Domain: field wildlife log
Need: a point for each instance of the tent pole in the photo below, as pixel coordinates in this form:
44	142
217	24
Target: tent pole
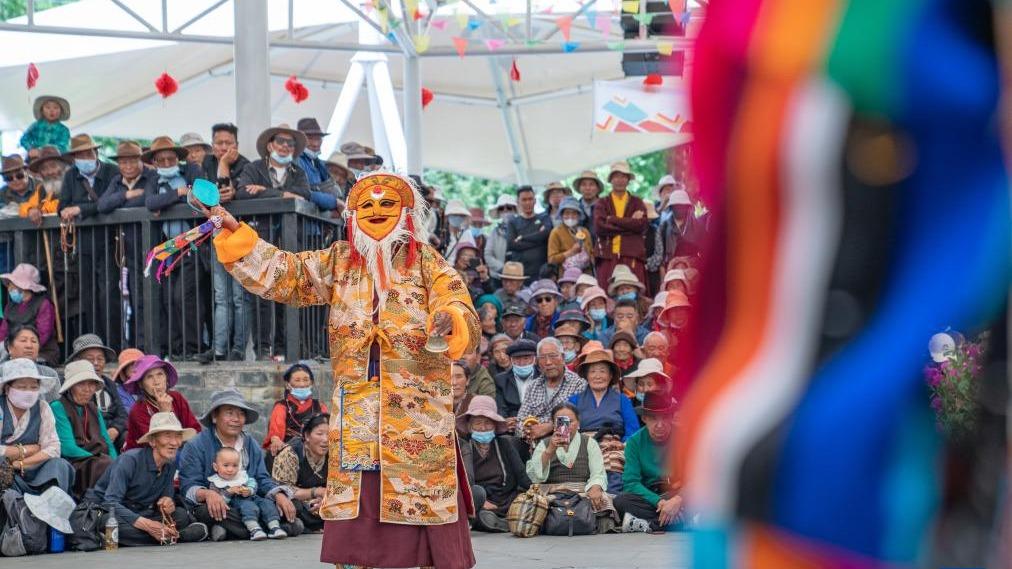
412	96
389	115
252	73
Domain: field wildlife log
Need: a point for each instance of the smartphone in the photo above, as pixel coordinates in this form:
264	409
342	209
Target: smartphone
563	427
473	263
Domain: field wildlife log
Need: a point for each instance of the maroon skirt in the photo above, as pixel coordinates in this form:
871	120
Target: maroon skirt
367	542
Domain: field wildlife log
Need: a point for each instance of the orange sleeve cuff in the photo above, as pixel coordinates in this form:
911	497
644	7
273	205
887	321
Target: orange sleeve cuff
234	245
459	337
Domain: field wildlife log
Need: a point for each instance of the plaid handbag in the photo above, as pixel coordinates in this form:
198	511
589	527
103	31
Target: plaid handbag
527	513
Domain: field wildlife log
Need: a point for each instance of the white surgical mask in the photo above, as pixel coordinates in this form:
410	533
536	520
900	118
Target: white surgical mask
570	222
23	399
170	172
283	160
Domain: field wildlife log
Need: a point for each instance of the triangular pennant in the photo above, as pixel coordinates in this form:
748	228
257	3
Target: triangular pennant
665	47
32	76
511	21
384	20
422	43
418	15
412	5
604	24
462	20
494	44
677	7
686	16
565	23
514	71
395	23
616	45
392	37
631	6
473	24
570	46
460	44
644	19
438	24
532	42
591	18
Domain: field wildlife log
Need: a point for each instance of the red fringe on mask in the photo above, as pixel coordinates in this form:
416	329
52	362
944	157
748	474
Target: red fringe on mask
412	244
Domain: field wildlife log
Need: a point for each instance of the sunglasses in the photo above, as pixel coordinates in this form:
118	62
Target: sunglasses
16	176
544	299
289	142
507	209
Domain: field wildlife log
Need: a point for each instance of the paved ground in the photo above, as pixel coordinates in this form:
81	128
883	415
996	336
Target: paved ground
630	551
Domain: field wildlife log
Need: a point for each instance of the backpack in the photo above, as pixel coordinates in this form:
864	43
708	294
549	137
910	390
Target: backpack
88	522
23	533
527	513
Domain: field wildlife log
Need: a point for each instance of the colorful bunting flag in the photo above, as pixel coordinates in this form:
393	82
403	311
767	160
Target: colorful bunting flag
422	43
418	15
473	24
427	97
591	18
570	46
438	24
665	47
653	80
395	23
460	44
462	20
616	45
604	24
644	19
631	6
494	44
392	37
677	7
686	16
565	24
412	5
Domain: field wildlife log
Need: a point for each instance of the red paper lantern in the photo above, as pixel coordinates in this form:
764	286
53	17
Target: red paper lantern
32	77
653	80
166	85
296	89
427	97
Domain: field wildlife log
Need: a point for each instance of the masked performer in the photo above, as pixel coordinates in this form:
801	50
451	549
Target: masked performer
396	492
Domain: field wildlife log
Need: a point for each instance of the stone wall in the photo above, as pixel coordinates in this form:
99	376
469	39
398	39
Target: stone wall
260	383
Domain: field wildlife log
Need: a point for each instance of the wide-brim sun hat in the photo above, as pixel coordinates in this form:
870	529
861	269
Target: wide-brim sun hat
87	342
620	167
456	207
675	299
229	397
590	347
596	292
679	197
268	134
24	368
660	300
657	404
43	99
588	175
600	357
124	359
666	180
544	287
79	371
570	203
46	154
623	336
675	275
193	139
25	276
481	406
144	365
166	422
645	367
161	144
512	270
585	279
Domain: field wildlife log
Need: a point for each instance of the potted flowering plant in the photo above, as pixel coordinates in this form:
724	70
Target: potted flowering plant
952	377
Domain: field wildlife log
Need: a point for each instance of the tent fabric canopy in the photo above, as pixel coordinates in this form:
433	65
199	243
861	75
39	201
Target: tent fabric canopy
111	89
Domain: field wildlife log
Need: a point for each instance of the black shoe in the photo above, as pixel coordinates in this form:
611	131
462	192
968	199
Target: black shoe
237	356
204	358
492	523
193	533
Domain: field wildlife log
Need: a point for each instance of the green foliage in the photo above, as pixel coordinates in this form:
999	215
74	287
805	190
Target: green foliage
15	8
482	192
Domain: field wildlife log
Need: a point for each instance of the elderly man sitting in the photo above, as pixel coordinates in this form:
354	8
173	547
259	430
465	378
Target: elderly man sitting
554	386
225	421
138	489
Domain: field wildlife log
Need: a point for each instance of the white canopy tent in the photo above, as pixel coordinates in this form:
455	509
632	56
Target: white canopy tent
480	122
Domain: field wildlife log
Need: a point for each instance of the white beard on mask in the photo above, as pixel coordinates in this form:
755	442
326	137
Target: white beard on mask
53	187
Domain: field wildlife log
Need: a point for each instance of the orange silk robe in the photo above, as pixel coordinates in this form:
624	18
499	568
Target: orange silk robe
407	421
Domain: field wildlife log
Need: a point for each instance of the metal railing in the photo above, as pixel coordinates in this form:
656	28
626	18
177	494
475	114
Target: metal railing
93	272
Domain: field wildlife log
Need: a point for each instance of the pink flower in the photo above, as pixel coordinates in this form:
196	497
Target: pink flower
973	350
946	367
936	403
933	376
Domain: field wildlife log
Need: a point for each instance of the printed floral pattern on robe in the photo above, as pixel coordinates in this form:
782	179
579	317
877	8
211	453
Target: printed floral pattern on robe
416	425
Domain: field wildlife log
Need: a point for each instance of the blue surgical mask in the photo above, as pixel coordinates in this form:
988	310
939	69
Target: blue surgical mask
311	153
170	172
523	372
86	167
456	221
626	296
301	393
640	396
570	355
283	160
598	314
16	296
483	437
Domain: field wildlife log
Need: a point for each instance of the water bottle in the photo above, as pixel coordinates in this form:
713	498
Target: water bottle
111	536
56	541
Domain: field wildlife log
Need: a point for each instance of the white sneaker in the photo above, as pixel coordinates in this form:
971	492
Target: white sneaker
257	535
632	524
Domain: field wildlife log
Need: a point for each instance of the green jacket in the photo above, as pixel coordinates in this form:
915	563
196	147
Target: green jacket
64	430
481	383
645	466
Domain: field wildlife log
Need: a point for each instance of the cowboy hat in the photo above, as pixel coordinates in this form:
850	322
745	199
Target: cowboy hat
309	125
24	276
646	367
166	422
339	160
146	364
456	207
79	143
623	276
24	368
512	270
481	406
270	133
620	167
161	143
46	153
86	342
79	371
229	396
127	149
355	151
43	99
656	404
12	163
588	175
125	358
600	357
552	187
193	139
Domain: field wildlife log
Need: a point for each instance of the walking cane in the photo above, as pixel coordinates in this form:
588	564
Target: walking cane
52	286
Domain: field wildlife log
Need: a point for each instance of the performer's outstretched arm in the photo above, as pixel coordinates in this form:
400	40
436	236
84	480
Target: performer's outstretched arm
449	294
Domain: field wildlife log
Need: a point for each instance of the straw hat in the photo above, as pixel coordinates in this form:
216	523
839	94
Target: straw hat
79	143
193	139
24	276
268	134
554	187
161	143
125	358
512	270
79	371
43	99
339	160
600	357
166	423
481	406
620	167
46	153
588	175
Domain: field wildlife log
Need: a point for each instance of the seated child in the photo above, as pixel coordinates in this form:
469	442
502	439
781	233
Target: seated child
240	491
48	127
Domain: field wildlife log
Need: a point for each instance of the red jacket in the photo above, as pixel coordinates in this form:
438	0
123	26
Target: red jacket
140	418
633	231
